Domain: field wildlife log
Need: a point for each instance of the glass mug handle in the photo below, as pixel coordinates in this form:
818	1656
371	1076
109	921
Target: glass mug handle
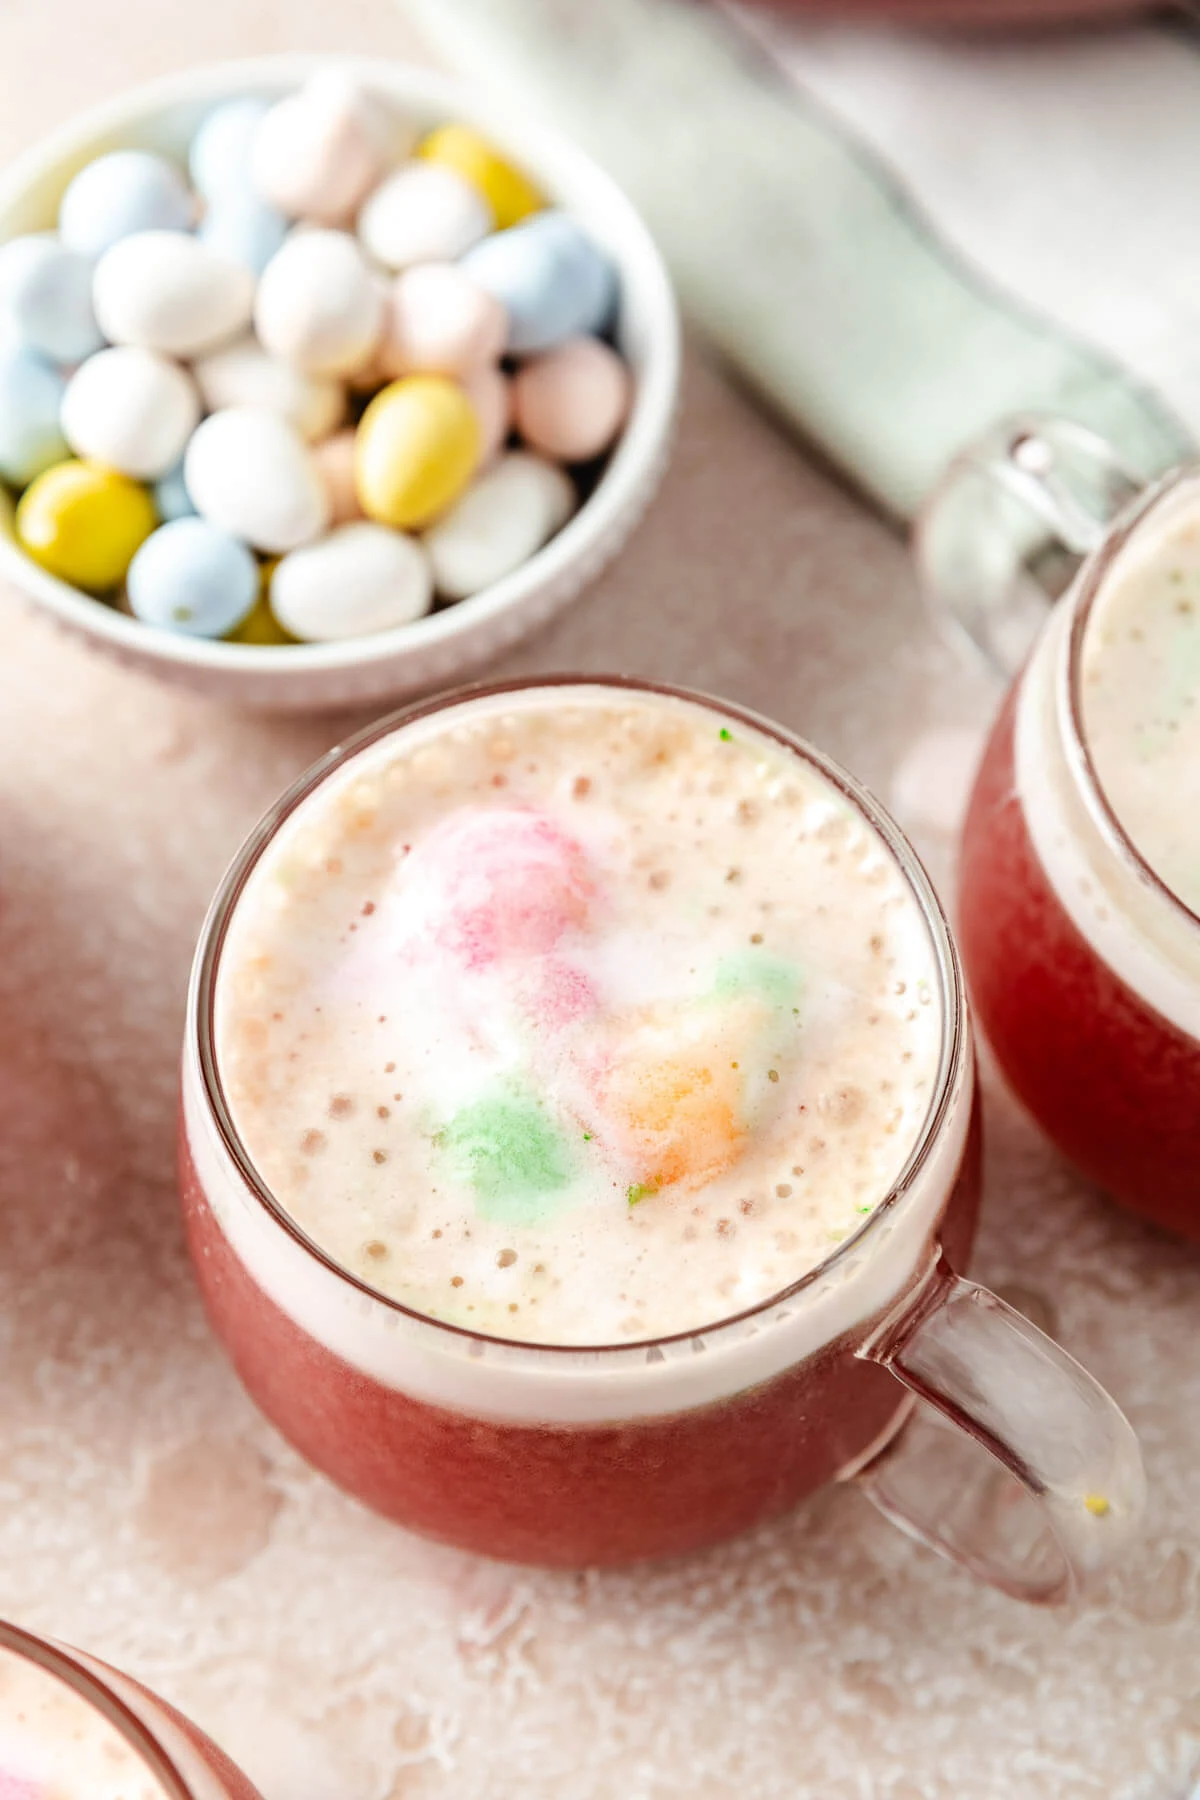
1003	531
1059	1495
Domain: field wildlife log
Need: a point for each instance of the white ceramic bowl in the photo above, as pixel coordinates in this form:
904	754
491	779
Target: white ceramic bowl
449	644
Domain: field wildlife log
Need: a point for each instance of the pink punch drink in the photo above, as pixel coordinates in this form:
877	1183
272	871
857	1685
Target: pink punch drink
1081	868
577	1104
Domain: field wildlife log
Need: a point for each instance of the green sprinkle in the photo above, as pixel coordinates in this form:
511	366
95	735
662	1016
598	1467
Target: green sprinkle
509	1151
587	1137
640	1190
726	737
864	1209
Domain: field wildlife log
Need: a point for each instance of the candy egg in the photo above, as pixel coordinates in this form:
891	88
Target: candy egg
510	194
423	212
417	446
171	498
335	459
319	304
191	576
31	394
440	322
132	410
260	626
220	152
243	374
319	152
118	194
84	523
169	292
251	472
46	296
550	278
243	227
571	402
507	514
490	393
360	579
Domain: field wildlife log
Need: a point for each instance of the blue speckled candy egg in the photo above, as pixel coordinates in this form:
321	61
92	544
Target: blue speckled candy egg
193	577
46	297
244	228
220	152
171	497
548	275
118	194
30	397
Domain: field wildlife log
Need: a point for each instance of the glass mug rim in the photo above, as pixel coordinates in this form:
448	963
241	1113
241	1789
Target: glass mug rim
954	1033
64	1665
1081	599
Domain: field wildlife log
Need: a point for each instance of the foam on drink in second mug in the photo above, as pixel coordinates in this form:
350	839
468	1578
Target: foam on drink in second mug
578	1019
1141	699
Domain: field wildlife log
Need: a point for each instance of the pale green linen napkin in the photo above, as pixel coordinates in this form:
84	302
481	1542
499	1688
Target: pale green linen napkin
792	245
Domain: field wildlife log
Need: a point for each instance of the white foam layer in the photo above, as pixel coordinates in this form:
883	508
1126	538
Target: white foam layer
56	1744
576	1017
1134	928
561	1382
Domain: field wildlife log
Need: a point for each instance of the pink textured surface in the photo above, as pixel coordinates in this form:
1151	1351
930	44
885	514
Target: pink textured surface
148	1514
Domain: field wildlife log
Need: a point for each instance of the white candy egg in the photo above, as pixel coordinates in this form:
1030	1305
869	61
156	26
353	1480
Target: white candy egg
250	471
361	579
243	374
166	291
425	212
440	322
505	515
131	410
319	305
319	152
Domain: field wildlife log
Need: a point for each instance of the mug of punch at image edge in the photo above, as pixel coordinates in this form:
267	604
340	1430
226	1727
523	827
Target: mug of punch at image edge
1080	883
579	1138
73	1729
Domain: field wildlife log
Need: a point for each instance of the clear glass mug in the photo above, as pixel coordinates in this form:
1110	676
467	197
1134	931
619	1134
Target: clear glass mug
168	1756
569	1456
1083	966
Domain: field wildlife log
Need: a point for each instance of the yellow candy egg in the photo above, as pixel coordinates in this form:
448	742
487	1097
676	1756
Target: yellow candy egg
415	450
260	626
83	523
509	193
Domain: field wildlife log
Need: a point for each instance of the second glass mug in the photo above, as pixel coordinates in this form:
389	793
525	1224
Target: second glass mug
1082	964
143	1741
577	1456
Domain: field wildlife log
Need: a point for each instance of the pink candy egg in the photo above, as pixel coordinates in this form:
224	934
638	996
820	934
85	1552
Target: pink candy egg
490	393
440	322
319	152
335	461
571	402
